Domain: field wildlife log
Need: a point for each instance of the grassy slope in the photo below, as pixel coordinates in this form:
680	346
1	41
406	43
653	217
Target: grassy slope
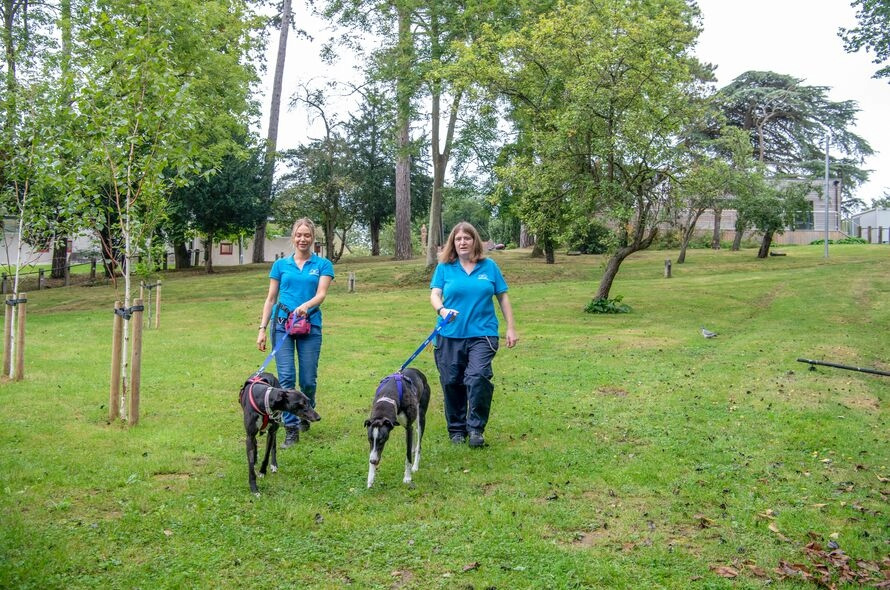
624	451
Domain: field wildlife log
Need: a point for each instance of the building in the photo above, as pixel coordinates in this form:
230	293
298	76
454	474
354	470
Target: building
873	226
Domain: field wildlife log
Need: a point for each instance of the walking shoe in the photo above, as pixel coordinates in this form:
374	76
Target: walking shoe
292	437
458	438
304	426
476	438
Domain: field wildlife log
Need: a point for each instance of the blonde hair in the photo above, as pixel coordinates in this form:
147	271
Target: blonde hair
449	252
301	222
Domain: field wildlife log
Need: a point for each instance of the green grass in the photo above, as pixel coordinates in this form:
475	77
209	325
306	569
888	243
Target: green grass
625	451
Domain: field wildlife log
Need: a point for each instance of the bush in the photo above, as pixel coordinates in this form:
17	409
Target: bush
849	240
603	305
588	237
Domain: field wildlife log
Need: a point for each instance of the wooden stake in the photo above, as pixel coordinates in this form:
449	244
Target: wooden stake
135	365
158	306
7	340
117	338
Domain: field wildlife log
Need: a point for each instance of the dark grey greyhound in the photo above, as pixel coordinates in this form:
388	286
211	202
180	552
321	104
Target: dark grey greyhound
263	400
401	398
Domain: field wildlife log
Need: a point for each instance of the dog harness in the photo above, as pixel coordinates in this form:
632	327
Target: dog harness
269	413
398	378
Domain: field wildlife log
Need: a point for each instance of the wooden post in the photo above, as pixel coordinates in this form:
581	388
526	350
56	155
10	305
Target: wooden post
20	338
158	306
135	364
880	234
869	234
40	279
67	273
7	339
351	282
4	283
197	256
667	268
93	269
117	338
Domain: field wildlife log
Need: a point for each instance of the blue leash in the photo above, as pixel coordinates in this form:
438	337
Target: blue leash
439	325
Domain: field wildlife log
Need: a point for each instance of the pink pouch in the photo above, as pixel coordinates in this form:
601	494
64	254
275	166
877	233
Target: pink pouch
297	325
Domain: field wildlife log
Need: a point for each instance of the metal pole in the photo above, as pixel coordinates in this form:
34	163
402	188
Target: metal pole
827	138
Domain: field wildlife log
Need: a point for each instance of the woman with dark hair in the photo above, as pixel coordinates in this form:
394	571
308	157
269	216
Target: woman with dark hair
296	283
464	285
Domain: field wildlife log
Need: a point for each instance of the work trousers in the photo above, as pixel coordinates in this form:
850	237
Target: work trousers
465	373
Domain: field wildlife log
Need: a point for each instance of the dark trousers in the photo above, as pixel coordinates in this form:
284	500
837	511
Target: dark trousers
465	373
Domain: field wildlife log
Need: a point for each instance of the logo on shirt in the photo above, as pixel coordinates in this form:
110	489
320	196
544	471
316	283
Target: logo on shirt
483	277
314	271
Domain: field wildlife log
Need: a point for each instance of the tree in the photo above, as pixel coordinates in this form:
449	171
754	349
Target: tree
788	122
599	92
228	202
771	208
259	236
872	34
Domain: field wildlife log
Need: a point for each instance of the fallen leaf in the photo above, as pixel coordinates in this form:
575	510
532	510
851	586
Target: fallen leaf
883	479
168	532
724	571
471	566
775	529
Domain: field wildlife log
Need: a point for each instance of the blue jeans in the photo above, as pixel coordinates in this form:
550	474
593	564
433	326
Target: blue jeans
307	349
465	373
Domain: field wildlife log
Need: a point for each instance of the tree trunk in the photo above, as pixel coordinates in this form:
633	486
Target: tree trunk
403	164
765	244
737	239
259	236
181	257
375	237
526	240
537	251
60	258
715	238
684	244
208	254
612	270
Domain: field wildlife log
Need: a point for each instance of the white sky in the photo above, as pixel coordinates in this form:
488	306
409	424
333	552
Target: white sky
793	37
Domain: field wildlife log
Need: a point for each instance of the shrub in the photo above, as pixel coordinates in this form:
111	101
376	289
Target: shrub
603	305
848	240
588	237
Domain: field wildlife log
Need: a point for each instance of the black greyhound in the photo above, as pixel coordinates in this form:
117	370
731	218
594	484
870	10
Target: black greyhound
263	401
401	398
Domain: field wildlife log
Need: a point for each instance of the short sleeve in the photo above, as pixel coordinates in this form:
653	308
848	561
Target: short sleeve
327	269
438	280
275	272
500	284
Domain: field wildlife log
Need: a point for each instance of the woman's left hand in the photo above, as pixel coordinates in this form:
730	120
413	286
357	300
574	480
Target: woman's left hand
512	338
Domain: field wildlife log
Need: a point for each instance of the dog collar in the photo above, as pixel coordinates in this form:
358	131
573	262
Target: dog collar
266	400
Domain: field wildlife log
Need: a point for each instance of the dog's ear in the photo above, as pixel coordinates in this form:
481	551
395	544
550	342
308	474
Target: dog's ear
367	422
389	423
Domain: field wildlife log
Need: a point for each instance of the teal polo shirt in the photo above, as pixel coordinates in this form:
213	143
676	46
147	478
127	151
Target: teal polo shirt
471	295
297	286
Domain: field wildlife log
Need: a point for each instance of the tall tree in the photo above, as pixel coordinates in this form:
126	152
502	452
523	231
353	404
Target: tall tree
788	122
872	34
259	236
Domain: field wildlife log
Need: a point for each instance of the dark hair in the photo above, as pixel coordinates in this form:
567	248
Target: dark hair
449	254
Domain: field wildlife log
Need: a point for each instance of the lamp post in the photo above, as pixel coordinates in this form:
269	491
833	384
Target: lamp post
827	138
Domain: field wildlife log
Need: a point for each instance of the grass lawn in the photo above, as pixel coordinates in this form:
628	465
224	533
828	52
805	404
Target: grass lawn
623	451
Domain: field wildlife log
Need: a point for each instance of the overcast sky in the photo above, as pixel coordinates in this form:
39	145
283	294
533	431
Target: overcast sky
793	37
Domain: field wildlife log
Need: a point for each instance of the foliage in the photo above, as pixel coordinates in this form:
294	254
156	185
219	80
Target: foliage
847	240
603	305
589	236
872	34
788	122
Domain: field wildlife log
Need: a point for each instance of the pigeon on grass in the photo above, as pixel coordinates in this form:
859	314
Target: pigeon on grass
707	333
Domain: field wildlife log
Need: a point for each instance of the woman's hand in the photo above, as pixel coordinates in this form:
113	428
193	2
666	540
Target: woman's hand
444	313
261	340
512	338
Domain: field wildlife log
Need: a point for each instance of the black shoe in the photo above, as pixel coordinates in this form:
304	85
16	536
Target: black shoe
292	437
476	439
304	426
458	438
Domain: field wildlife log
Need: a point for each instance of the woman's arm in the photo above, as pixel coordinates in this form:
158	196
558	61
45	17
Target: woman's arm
268	304
439	304
321	292
507	310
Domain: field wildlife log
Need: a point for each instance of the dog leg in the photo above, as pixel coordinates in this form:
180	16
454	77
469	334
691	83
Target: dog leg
418	436
372	473
270	446
272	450
409	452
251	461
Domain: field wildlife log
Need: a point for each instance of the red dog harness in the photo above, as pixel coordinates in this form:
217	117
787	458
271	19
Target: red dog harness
249	392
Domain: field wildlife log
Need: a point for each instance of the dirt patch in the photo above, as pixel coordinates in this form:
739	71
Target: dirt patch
612	390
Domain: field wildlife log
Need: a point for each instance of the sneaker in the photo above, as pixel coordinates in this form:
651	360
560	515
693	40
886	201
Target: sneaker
304	426
476	439
458	438
292	436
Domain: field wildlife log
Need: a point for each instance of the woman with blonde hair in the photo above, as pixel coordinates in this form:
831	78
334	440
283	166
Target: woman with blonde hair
296	283
464	285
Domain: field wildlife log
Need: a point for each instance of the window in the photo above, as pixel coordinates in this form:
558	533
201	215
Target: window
225	248
804	219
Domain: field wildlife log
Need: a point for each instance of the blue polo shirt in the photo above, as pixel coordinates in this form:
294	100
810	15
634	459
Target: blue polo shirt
471	295
297	286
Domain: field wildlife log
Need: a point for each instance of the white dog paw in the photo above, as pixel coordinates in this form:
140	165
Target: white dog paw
261	475
273	468
257	494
